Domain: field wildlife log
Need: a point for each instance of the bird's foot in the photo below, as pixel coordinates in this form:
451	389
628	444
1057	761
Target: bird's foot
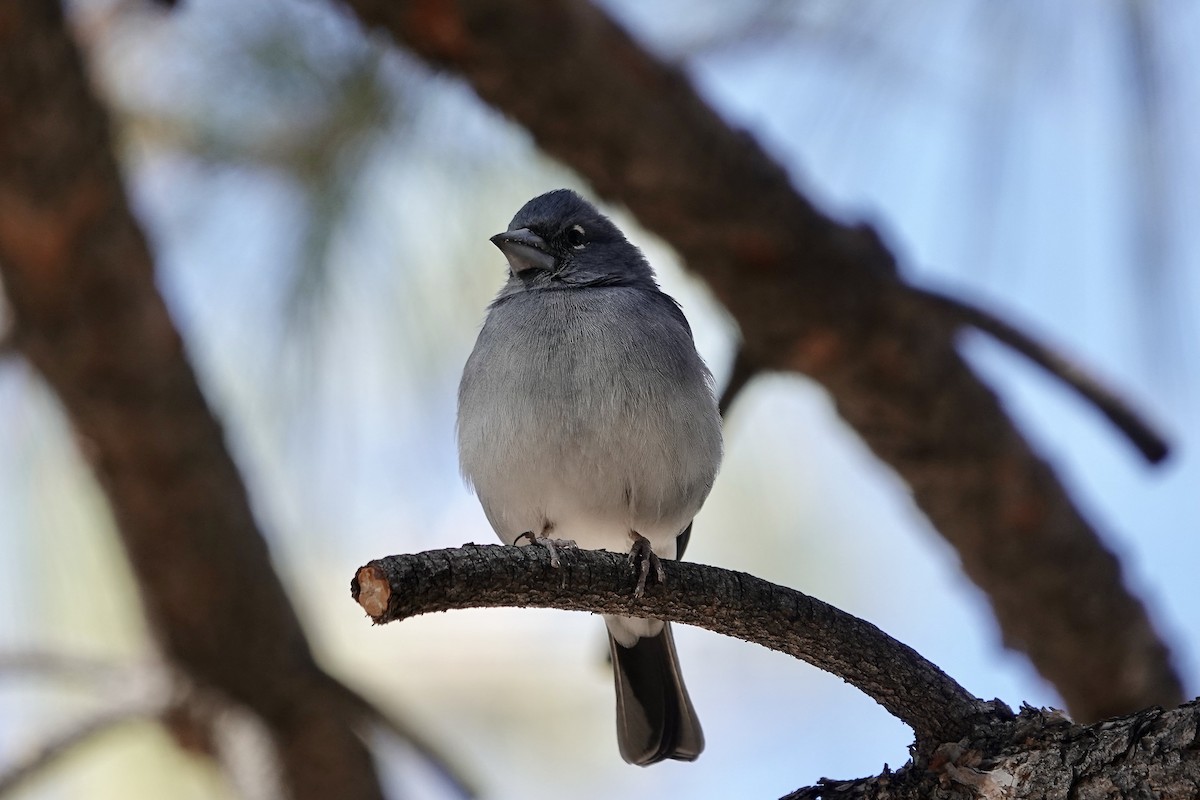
642	558
549	543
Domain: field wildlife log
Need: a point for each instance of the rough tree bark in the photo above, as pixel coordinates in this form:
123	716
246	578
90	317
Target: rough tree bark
80	281
733	603
965	747
818	297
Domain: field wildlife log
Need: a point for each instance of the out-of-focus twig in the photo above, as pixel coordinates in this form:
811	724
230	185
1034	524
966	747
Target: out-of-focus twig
130	693
1148	441
742	372
60	743
40	663
442	762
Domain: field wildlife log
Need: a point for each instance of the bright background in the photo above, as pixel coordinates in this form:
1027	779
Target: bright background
320	204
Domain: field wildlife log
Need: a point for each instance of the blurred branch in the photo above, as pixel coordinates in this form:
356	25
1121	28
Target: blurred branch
742	372
1148	441
60	743
131	692
55	665
440	761
80	280
816	296
8	332
199	720
1150	166
732	603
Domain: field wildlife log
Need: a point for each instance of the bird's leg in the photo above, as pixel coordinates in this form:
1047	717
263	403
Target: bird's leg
547	542
642	558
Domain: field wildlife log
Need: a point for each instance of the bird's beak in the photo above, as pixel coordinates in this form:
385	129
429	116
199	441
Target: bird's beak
524	250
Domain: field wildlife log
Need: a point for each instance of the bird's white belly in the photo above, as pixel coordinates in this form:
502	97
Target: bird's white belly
556	513
592	511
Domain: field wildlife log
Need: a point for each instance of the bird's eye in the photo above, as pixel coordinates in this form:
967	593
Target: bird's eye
576	236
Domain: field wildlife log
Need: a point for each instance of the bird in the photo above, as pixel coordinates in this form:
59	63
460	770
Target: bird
587	418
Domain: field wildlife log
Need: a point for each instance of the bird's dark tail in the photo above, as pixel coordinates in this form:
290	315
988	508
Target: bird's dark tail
655	718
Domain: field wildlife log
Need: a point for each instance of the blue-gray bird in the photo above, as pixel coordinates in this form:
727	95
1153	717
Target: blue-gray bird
586	415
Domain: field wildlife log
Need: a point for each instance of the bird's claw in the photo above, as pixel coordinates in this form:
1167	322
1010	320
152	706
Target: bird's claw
549	543
642	558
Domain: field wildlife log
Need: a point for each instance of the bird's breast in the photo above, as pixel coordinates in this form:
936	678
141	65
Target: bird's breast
572	408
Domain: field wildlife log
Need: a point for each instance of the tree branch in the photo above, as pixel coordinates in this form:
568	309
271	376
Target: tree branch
60	743
966	748
65	666
1149	442
733	603
130	692
198	719
819	297
442	763
1043	755
740	375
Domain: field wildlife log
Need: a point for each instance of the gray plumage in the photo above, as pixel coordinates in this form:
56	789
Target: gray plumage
586	414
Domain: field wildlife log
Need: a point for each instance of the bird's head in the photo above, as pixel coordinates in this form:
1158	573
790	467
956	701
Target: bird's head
559	238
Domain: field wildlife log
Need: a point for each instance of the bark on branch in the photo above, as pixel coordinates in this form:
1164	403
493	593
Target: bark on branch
819	297
733	603
1043	755
965	748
